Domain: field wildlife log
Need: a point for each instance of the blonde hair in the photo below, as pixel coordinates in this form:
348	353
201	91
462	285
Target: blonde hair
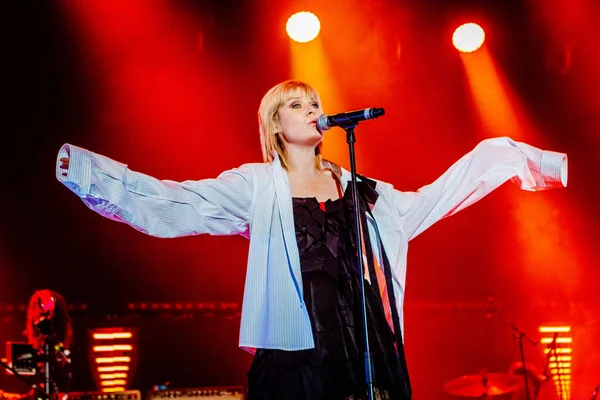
268	120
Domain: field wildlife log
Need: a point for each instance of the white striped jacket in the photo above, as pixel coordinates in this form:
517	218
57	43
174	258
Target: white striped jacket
255	201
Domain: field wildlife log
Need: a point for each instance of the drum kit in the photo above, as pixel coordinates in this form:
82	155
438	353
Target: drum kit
484	385
523	379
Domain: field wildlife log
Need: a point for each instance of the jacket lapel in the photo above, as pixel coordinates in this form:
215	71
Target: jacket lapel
283	196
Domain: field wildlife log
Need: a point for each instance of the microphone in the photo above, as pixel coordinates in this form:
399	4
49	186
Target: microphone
348	119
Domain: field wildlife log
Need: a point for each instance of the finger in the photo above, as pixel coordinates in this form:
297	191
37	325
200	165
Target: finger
64	159
63	166
64	174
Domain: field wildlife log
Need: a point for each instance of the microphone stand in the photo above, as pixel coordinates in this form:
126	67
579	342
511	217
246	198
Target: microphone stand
521	335
348	125
47	381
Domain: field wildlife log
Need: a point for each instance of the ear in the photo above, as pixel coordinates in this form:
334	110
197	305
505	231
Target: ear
275	125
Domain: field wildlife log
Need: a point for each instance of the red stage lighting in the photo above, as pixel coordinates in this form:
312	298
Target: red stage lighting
468	37
303	27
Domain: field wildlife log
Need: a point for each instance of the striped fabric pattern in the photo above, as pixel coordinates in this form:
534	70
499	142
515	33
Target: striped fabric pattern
255	201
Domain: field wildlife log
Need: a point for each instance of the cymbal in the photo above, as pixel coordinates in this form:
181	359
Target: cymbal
485	384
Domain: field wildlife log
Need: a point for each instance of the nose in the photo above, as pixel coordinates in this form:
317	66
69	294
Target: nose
310	111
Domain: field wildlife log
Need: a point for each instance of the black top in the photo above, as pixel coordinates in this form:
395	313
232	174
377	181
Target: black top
334	369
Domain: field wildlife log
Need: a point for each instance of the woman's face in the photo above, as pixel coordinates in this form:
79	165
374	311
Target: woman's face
298	119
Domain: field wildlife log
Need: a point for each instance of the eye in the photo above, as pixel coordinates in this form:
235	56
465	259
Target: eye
296	105
315	105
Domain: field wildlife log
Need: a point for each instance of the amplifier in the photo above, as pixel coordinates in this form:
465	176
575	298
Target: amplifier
126	395
204	393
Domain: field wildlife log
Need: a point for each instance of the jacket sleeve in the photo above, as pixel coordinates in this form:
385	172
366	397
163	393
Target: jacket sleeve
490	164
160	208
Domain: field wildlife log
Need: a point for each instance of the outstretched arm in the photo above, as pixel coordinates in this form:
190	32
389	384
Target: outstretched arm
161	208
490	164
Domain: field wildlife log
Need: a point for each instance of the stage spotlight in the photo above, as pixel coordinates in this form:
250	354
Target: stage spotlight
468	37
303	27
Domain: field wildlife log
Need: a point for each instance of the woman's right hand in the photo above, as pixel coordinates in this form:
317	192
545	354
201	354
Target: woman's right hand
64	165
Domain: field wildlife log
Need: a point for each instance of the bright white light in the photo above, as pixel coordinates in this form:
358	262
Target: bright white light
468	37
303	26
